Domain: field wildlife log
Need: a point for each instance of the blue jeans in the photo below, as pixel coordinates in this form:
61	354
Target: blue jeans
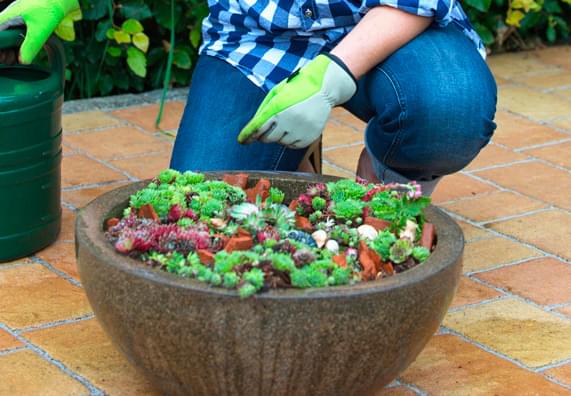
429	109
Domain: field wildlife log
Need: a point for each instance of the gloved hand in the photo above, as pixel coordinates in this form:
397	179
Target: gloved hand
295	111
41	18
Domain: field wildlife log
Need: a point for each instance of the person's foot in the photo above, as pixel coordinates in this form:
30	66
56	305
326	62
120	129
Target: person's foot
365	168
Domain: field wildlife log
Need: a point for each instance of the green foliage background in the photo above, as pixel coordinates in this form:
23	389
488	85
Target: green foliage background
119	46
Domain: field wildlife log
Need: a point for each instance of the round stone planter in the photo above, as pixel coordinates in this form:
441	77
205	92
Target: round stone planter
191	339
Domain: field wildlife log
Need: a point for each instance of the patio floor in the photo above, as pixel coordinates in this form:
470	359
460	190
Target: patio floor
508	331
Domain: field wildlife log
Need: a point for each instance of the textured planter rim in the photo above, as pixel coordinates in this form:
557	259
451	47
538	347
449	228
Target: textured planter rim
89	229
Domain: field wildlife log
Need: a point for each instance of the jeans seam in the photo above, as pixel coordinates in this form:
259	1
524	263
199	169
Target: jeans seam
278	158
402	115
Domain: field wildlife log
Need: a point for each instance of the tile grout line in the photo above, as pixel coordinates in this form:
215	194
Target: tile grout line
9	351
412	387
535	121
346	145
57	272
461	308
337	167
48	358
448	330
521	299
554	365
78	187
515	216
507	236
551	143
57	323
501	266
24	263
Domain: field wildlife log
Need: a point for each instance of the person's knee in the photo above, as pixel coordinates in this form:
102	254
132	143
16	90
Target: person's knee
451	127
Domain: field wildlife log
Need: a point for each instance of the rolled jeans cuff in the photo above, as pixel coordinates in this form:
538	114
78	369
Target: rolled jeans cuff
388	175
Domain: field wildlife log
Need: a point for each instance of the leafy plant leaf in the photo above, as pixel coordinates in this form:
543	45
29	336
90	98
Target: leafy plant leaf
121	37
114	51
65	29
135	9
480	5
137	61
132	26
141	41
182	59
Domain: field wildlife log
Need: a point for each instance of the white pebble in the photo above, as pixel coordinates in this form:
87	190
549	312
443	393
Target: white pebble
409	231
320	237
332	246
367	232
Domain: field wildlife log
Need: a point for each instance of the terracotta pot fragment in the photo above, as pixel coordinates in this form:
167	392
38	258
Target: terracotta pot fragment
238	179
340	260
303	223
243	232
377	224
206	257
293	205
370	261
148	212
239	243
262	188
427	237
112	222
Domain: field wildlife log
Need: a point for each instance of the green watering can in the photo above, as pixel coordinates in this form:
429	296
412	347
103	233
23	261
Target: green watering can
31	100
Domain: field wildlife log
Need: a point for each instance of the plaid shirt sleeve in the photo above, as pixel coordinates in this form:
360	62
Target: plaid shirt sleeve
441	10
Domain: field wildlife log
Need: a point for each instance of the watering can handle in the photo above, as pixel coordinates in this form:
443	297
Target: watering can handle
14	38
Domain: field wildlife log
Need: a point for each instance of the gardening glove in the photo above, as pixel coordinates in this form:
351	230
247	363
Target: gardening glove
41	18
295	111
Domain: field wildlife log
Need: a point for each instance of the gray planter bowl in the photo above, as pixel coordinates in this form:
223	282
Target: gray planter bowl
191	339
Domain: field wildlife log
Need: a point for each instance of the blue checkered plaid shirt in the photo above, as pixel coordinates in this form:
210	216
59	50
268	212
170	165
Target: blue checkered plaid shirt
269	39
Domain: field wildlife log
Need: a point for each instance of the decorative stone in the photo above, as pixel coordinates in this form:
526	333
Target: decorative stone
262	188
112	222
332	246
340	260
409	231
302	237
170	326
320	237
218	223
367	231
370	261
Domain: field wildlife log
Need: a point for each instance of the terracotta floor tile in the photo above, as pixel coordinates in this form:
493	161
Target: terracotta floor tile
492	206
87	120
548	81
118	143
562	373
470	292
471	232
557	55
535	179
488	253
565	310
514	65
459	186
565	93
396	391
345	157
26	374
494	155
329	170
145	167
516	329
86	349
8	341
559	154
516	132
62	257
548	230
24	260
32	295
80	198
336	133
531	103
345	117
546	281
145	116
449	366
564	123
67	232
79	169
